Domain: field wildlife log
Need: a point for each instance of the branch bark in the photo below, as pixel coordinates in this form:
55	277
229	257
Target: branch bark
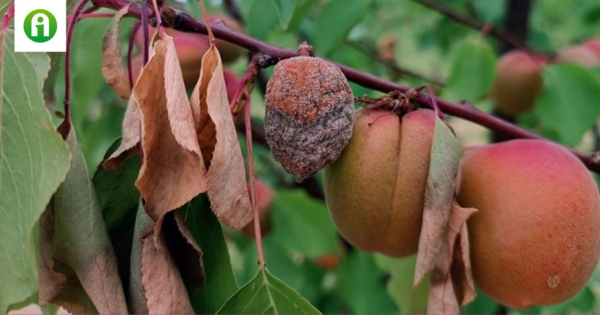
183	22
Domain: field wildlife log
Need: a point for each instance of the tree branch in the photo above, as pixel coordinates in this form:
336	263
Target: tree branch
505	38
183	22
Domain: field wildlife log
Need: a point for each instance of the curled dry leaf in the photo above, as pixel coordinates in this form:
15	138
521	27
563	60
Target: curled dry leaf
452	281
112	60
226	174
173	171
439	195
164	288
131	137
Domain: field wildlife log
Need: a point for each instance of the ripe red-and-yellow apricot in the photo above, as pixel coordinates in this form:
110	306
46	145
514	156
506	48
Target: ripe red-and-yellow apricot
518	82
536	237
375	190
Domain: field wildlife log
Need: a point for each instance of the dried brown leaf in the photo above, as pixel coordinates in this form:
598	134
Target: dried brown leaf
452	282
173	171
164	288
226	174
131	137
112	60
439	195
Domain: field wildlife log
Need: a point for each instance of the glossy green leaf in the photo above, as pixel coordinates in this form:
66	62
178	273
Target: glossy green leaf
119	199
220	281
569	101
33	162
285	11
303	224
400	286
482	304
335	21
81	239
116	191
472	72
362	285
261	18
265	294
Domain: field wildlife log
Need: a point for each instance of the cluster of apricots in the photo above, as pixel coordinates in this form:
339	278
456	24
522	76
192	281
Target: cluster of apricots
535	239
190	49
519	75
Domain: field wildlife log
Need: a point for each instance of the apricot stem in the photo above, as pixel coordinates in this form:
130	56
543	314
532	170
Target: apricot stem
252	175
65	126
134	32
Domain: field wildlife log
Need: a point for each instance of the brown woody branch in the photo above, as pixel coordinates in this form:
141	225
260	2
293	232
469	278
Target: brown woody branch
183	22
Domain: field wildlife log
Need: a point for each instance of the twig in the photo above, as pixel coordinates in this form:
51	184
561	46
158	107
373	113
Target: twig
145	32
134	32
65	127
183	22
370	51
473	23
91	15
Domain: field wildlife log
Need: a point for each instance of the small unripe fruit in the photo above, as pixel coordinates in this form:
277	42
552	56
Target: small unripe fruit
309	114
375	190
328	261
536	237
232	83
594	46
518	82
579	55
264	200
229	52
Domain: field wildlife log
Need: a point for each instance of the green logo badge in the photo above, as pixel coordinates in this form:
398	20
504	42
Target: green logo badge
40	26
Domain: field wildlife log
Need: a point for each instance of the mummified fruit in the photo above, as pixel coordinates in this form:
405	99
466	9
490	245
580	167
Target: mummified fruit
536	237
518	82
309	114
375	191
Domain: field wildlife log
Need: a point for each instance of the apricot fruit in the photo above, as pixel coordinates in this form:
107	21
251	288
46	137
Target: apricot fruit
264	200
579	55
232	83
594	46
518	82
536	237
375	190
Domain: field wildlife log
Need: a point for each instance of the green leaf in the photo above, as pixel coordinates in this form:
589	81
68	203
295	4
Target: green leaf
118	198
81	239
568	104
303	224
34	160
472	72
363	285
50	82
335	21
220	282
482	304
137	295
285	11
261	18
400	288
116	191
302	9
86	80
265	294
